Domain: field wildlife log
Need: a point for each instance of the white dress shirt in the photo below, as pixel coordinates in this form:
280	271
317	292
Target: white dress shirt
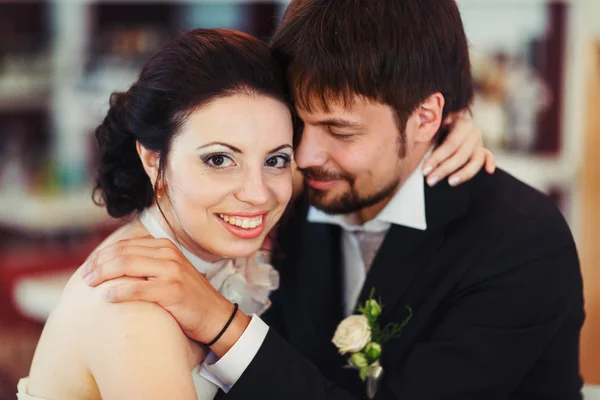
406	208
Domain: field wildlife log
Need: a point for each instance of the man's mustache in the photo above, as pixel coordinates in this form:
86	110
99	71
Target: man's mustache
321	174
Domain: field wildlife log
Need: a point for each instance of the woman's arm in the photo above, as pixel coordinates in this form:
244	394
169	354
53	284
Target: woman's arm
137	351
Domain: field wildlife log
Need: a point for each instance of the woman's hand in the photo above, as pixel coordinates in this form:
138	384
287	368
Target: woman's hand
461	154
171	282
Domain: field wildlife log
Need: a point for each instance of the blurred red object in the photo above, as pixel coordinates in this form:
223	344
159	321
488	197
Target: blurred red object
35	261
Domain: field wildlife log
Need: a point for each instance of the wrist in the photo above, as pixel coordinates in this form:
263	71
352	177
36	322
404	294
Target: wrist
215	320
230	337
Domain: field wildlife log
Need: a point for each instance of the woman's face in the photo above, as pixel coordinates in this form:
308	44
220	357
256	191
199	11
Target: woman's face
228	175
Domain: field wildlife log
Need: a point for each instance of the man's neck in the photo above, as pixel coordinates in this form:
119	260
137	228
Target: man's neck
368	213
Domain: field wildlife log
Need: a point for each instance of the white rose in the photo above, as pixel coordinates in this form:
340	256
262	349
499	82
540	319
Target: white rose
352	334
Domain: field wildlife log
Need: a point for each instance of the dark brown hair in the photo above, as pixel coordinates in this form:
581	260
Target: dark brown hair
397	52
194	69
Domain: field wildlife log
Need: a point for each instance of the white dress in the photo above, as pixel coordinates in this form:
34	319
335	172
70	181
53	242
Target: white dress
246	282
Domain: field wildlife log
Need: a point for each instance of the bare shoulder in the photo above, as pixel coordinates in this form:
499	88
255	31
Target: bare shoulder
129	323
78	298
137	322
136	349
132	230
133	349
128	350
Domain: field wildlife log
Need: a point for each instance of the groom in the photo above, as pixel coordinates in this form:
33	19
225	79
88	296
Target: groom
489	269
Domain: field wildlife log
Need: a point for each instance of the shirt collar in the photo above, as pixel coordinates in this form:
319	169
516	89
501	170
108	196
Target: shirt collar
406	208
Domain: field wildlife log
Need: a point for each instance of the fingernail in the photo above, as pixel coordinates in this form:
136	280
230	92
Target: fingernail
433	180
427	170
89	278
107	295
455	180
84	268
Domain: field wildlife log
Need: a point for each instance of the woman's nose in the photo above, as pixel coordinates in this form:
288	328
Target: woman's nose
253	189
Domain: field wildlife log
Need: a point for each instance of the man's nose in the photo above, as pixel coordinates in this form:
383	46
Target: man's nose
312	149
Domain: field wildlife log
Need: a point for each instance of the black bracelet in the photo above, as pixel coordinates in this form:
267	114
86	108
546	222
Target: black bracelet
235	309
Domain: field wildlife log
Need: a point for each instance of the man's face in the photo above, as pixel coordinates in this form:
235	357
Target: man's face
354	157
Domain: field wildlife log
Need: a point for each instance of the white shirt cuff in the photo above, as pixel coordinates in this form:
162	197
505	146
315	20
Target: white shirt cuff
228	370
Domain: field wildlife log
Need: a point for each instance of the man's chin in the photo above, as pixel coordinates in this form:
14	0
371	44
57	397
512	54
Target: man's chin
347	202
328	202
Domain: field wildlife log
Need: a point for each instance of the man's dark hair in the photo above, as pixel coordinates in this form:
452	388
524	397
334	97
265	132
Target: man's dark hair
398	52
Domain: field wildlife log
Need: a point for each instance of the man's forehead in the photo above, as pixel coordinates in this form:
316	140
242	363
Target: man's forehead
333	111
355	110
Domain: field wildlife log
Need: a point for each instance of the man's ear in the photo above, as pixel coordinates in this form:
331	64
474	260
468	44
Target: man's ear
150	161
430	117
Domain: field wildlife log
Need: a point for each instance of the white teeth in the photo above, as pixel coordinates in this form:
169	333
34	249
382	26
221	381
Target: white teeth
244	223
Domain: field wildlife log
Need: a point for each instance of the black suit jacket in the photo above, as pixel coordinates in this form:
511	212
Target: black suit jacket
494	283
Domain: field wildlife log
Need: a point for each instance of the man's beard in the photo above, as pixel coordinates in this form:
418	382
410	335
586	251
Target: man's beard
348	202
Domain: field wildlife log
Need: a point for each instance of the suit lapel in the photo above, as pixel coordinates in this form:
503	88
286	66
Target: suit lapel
314	291
405	251
321	256
314	306
400	258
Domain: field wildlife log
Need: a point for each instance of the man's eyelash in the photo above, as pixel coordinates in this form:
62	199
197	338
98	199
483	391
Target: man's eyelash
340	136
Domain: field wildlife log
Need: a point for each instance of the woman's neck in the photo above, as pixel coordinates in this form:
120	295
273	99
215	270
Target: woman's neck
173	229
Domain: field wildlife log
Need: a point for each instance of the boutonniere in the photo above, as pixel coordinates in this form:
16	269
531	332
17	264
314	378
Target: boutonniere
362	338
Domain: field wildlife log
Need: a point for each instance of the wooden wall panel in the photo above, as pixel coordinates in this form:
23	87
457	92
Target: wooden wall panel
590	235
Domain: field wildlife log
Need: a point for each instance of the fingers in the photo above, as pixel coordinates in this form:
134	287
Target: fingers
132	265
148	291
490	161
110	253
470	169
161	248
460	132
455	162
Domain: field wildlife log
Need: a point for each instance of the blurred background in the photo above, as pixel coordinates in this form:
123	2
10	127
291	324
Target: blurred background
536	67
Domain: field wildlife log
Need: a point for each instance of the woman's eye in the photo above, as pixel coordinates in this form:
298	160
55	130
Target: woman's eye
218	161
278	162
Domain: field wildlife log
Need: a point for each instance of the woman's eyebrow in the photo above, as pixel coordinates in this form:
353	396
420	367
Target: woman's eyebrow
233	148
283	146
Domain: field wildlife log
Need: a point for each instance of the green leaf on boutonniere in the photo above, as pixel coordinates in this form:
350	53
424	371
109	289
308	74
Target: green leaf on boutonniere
363	373
391	330
359	360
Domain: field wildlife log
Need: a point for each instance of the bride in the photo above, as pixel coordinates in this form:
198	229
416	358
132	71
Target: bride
197	152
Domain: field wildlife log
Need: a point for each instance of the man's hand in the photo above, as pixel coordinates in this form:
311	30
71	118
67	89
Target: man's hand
461	154
170	281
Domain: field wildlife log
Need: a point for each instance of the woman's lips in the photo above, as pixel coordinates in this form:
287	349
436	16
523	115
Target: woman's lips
244	225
